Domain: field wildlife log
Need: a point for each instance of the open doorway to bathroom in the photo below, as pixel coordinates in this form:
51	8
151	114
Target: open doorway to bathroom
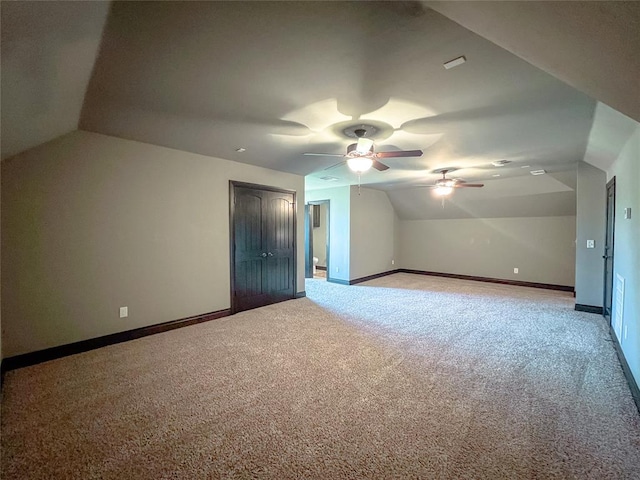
317	239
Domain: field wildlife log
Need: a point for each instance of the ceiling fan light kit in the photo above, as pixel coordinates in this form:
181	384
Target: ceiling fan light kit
359	164
360	156
443	190
444	186
500	163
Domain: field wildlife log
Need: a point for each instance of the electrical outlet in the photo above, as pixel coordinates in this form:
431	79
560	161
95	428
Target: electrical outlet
515	270
624	336
337	269
124	312
393	262
591	244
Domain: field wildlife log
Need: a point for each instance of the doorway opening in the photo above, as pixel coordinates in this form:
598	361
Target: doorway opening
317	235
608	250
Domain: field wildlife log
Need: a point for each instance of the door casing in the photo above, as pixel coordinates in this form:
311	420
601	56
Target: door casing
308	242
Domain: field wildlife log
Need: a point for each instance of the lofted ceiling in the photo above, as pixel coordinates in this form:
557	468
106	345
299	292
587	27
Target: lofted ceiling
48	50
590	45
283	78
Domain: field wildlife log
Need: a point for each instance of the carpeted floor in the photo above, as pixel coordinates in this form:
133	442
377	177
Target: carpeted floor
405	376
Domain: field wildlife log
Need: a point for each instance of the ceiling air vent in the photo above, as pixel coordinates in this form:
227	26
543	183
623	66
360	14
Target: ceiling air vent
454	63
538	172
329	178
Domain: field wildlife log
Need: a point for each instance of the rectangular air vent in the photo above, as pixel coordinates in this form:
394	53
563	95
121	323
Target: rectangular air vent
329	178
538	172
454	63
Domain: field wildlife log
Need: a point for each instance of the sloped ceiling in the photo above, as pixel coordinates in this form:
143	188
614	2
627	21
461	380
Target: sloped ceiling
609	133
48	50
523	196
592	46
284	78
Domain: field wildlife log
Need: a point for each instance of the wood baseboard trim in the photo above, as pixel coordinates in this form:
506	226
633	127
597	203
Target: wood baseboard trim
320	267
633	385
355	281
301	294
33	358
588	308
371	277
547	286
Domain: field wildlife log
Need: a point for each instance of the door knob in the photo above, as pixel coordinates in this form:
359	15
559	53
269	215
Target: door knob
264	255
270	254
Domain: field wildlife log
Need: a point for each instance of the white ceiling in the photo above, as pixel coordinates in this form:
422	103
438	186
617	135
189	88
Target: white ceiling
284	78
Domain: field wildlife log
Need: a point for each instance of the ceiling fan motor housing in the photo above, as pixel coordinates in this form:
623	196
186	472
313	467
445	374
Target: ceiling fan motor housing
351	150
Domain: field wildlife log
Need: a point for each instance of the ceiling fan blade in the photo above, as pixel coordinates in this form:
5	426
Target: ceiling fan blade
324	154
458	185
400	153
381	167
335	165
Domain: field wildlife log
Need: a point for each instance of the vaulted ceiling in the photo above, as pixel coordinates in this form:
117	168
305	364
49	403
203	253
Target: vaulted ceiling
47	53
283	78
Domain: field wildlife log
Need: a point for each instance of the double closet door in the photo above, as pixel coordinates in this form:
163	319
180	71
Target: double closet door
263	245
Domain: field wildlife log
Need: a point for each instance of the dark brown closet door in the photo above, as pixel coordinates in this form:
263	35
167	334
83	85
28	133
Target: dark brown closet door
280	243
262	246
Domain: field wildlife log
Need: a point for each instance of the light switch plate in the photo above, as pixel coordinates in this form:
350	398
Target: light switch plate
627	213
591	244
124	312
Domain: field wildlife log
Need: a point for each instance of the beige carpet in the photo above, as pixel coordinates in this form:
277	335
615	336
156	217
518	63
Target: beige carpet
402	377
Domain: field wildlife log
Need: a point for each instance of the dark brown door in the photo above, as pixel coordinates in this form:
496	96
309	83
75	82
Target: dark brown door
262	246
608	250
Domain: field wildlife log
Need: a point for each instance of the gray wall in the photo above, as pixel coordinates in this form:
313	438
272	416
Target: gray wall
590	220
372	233
92	223
626	170
542	248
339	227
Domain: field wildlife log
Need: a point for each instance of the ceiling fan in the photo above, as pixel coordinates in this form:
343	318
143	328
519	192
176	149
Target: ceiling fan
444	186
361	155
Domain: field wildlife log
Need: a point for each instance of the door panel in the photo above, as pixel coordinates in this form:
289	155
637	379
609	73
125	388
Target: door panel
249	266
280	239
249	227
249	276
